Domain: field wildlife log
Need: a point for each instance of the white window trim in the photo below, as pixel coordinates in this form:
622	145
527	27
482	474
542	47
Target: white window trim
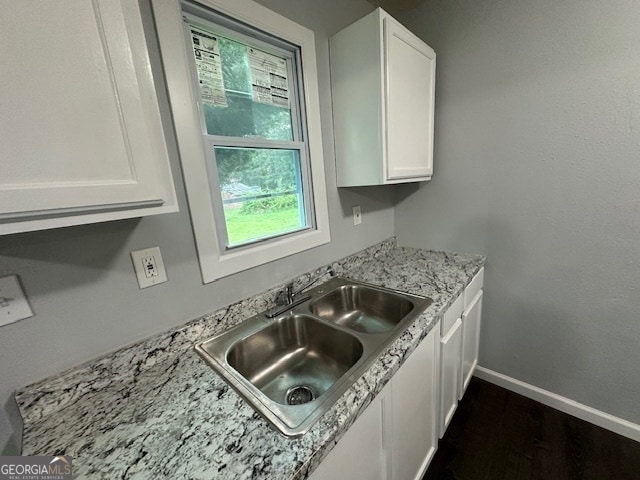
215	263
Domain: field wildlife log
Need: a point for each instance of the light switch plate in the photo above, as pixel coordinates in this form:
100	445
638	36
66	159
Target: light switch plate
149	267
13	302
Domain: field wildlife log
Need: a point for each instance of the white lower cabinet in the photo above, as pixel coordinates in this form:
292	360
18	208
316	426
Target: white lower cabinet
360	453
471	340
450	362
460	336
471	329
450	348
396	436
413	436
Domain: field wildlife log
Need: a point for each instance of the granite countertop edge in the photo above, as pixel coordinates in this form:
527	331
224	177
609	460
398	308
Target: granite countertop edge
154	408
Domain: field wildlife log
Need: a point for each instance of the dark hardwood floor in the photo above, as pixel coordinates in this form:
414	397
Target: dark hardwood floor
500	435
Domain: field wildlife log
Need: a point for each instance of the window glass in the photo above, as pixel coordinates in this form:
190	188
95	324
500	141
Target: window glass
261	192
245	91
248	114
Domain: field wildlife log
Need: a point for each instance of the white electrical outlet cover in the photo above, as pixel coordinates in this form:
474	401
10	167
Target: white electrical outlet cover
13	302
140	259
357	215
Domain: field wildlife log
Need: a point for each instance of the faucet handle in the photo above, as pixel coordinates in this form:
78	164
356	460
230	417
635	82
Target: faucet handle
288	289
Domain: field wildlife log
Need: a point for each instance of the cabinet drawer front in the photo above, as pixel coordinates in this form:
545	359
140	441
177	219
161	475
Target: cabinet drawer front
451	315
473	288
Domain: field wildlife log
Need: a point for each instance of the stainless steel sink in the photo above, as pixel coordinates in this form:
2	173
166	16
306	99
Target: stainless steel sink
292	368
363	308
295	358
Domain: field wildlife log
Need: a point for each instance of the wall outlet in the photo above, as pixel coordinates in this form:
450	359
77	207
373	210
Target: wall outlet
149	267
13	302
357	215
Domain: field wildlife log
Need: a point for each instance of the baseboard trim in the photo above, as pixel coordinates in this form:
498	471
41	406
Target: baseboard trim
566	405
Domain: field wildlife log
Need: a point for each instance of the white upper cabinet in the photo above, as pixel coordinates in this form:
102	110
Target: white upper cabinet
383	89
81	134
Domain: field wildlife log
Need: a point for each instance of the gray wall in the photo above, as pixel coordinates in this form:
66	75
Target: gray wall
537	165
81	283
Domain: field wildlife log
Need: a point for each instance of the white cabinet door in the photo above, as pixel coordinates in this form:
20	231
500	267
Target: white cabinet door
410	74
397	435
359	454
450	367
413	404
80	129
383	87
471	339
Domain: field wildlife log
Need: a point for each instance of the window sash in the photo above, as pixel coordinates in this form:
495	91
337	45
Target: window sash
214	185
219	24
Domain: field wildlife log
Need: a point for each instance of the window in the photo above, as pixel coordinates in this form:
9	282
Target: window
243	90
253	129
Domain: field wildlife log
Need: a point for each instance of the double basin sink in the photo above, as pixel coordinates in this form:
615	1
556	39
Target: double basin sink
294	367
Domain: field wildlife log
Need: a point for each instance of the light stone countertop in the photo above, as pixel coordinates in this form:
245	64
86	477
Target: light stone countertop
156	410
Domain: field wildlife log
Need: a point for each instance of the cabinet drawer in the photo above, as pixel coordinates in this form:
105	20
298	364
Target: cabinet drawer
451	315
473	288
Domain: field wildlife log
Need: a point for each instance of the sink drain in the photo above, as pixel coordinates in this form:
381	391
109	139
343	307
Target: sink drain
299	395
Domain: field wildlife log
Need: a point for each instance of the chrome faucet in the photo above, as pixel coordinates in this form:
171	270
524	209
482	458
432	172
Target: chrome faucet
289	297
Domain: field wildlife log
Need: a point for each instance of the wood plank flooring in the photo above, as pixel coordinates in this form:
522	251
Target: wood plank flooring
499	435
